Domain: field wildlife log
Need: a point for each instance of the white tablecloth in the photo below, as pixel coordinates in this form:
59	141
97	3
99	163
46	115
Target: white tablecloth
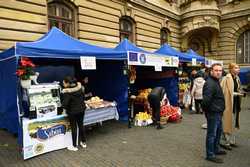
100	114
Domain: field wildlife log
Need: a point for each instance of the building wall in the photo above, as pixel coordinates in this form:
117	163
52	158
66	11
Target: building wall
235	20
24	20
98	22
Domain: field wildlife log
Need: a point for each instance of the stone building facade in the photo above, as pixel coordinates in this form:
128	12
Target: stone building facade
219	29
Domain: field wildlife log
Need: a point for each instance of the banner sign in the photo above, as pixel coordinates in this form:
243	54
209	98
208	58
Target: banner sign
45	134
210	62
194	62
144	59
88	63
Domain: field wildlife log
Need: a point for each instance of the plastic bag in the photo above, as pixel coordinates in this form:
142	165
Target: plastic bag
187	98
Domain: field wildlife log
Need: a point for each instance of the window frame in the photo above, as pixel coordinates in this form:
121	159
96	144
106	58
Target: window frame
123	33
243	41
165	30
71	22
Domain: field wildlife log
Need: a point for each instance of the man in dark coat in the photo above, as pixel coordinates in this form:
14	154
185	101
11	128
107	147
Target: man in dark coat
156	100
213	105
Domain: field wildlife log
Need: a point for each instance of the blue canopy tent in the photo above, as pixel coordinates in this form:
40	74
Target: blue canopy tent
168	50
53	45
170	84
245	75
193	55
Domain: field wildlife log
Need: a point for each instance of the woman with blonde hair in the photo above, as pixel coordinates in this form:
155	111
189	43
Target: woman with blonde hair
231	89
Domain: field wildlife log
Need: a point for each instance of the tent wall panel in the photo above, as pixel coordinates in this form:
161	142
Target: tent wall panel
8	94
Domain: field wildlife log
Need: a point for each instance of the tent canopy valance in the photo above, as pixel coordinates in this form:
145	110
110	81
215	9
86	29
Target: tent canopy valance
138	56
57	44
168	50
193	55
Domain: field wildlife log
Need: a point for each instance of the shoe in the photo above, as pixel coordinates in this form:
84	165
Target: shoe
159	127
83	144
72	148
233	145
226	147
215	160
221	152
204	126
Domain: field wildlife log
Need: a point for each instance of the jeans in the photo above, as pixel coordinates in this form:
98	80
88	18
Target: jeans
214	130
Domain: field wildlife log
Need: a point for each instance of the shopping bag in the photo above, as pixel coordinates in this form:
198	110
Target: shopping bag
187	98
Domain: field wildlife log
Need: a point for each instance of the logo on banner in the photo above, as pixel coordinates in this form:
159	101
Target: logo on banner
43	134
39	148
175	61
143	58
168	60
133	56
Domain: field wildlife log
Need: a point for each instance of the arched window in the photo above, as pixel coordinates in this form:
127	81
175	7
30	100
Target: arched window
243	48
164	36
127	29
62	16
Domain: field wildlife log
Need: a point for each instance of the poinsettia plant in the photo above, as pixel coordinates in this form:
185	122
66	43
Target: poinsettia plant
25	69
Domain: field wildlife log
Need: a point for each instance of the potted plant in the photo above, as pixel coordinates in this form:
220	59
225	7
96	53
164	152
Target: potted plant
25	71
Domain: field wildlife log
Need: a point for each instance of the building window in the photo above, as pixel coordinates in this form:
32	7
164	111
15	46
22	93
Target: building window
164	36
243	48
127	29
62	16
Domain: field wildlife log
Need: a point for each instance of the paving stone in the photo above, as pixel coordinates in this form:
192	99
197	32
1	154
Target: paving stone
114	145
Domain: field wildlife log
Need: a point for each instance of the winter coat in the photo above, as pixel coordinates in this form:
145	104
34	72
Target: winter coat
227	85
197	88
213	97
73	100
157	93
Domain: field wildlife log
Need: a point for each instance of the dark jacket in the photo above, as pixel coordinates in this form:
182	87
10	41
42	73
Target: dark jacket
157	93
73	100
213	97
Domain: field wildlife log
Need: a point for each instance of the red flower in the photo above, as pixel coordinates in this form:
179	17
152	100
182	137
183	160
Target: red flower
20	72
26	62
25	69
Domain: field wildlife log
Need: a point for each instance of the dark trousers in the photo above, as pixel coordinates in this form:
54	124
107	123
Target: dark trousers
214	130
198	105
156	106
77	120
236	110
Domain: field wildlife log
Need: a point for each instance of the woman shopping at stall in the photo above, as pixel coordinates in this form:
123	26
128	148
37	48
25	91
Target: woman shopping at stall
73	102
231	89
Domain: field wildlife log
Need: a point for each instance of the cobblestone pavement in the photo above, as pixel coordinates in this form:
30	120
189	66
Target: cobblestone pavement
114	145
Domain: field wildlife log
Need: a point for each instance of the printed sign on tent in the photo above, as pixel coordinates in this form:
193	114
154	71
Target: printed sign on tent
194	61
144	59
158	68
210	62
88	63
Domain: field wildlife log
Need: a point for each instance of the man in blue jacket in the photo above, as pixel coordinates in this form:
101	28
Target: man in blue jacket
213	104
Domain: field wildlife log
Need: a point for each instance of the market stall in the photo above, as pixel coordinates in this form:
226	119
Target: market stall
187	62
32	111
147	70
